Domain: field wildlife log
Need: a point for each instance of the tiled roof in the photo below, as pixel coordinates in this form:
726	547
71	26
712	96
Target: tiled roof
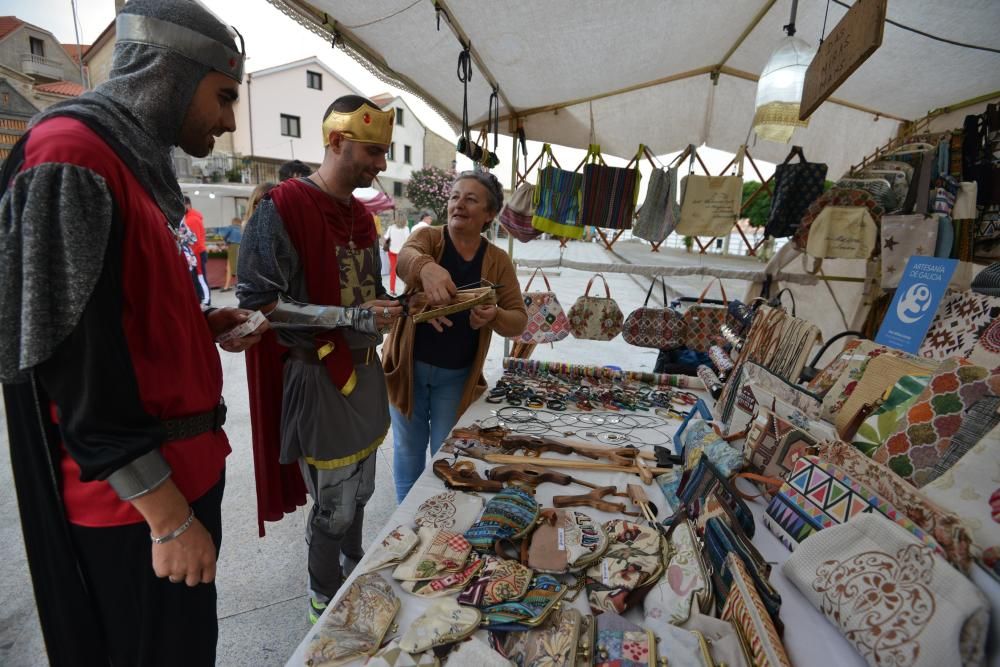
9	24
66	88
74	51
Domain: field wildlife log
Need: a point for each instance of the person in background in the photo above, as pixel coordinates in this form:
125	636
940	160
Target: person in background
195	221
434	370
232	235
293	169
425	221
396	235
255	197
113	382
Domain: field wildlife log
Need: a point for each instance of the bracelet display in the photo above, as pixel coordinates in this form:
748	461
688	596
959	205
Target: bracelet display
177	532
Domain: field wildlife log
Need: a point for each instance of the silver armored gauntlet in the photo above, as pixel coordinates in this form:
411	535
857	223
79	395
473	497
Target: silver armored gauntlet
289	314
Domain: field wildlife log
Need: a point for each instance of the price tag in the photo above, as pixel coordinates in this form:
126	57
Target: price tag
245	329
562	539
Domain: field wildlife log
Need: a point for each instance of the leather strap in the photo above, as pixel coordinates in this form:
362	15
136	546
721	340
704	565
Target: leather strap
362	356
548	288
183	428
725	301
607	291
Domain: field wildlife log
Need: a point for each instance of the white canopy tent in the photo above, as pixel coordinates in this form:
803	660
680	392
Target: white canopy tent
663	73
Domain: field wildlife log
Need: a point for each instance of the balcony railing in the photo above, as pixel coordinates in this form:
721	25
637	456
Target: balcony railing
42	67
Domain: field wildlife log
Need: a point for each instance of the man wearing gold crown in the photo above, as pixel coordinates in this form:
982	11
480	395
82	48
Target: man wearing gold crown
310	261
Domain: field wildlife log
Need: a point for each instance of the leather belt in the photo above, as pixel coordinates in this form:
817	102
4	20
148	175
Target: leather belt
362	355
183	428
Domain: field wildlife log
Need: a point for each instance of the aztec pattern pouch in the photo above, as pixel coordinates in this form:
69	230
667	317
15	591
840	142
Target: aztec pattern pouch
959	322
773	443
986	351
621	643
924	435
565	540
499	580
686	585
444	622
509	515
631	561
454	510
440	551
596	318
747	612
870	575
531	610
356	624
818	494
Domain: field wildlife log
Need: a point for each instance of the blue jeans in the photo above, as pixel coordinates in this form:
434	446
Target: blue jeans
436	395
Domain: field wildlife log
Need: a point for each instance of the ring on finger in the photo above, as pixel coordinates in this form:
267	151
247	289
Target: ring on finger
385	312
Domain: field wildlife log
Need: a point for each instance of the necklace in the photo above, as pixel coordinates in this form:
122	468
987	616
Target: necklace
326	189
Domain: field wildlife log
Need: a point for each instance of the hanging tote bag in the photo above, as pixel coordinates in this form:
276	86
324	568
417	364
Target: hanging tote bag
516	215
710	205
609	194
547	323
593	317
660	328
557	199
660	211
796	186
704	322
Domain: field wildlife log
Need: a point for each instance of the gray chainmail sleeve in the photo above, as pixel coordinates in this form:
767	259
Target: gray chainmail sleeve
268	261
51	253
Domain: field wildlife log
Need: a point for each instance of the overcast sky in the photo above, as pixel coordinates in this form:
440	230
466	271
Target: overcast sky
272	39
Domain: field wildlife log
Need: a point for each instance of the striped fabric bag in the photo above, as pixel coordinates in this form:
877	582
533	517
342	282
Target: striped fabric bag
557	199
609	193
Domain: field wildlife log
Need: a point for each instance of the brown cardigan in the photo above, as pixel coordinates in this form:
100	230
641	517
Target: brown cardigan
427	245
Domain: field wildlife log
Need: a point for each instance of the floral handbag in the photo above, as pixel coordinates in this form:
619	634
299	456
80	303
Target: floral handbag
747	612
704	322
632	561
881	423
621	643
509	515
357	623
444	622
547	323
660	328
565	641
870	575
596	318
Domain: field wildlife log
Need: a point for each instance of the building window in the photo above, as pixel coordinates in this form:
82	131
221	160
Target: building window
391	155
37	46
407	154
314	80
399	117
290	126
397	189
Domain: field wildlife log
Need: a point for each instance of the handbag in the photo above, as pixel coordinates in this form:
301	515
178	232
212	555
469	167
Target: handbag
509	515
660	328
631	562
547	323
840	199
902	237
517	214
960	320
746	611
356	624
444	622
621	643
842	232
924	435
703	322
557	199
796	186
660	211
566	640
870	575
595	318
609	194
710	205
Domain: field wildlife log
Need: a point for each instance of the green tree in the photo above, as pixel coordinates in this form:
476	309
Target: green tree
760	209
429	189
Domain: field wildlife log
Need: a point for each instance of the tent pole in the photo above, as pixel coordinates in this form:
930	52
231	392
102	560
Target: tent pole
512	127
746	33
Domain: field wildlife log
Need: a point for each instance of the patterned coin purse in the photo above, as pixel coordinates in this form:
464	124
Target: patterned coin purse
530	611
686	585
565	541
509	515
397	545
454	510
565	640
631	562
499	580
448	584
444	622
621	643
440	551
357	623
747	612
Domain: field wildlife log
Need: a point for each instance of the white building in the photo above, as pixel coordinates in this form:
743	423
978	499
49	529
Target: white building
406	153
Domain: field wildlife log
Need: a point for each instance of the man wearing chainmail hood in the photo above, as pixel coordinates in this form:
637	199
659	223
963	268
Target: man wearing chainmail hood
310	260
112	382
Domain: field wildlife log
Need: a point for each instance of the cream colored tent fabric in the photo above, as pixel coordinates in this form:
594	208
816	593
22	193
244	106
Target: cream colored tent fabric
642	68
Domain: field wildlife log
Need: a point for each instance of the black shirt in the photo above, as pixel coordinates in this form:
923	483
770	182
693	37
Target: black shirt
455	347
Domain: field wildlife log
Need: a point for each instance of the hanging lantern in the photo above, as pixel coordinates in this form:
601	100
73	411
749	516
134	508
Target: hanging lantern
779	90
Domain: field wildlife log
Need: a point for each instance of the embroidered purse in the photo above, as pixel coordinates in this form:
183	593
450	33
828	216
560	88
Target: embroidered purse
869	576
357	623
454	510
547	323
704	323
566	640
632	561
660	328
686	585
747	612
440	551
530	611
444	622
595	318
397	545
498	580
509	515
621	643
448	584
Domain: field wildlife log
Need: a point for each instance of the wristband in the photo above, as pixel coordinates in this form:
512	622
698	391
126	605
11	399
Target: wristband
177	532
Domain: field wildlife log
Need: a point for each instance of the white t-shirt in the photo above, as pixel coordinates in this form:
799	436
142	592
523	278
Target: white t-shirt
397	237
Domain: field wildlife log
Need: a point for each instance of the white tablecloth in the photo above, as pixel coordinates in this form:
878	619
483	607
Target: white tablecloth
809	638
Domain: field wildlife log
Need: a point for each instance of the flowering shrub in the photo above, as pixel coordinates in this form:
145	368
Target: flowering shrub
429	189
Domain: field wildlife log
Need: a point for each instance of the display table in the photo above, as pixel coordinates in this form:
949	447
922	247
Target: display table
809	637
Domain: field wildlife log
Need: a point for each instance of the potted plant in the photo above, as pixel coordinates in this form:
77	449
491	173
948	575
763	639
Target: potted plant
688	243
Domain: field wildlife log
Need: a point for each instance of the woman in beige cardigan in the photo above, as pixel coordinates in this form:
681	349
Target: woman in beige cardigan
435	370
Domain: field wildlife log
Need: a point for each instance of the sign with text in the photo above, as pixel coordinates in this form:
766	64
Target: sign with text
848	45
920	290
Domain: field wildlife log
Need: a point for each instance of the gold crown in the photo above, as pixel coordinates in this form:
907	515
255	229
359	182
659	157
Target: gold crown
366	124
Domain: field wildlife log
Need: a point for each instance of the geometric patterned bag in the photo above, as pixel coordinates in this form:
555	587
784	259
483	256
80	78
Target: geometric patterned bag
547	323
660	328
960	320
704	323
